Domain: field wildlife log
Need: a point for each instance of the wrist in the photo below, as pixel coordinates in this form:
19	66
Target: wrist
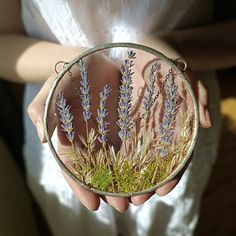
157	41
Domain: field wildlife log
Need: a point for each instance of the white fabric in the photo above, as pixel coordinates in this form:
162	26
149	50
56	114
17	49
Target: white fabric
88	23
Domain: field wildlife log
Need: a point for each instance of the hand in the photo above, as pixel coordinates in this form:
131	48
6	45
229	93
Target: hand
100	75
205	122
204	117
97	65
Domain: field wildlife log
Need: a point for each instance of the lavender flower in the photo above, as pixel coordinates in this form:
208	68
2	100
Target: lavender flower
131	54
66	117
148	97
85	96
124	103
170	111
102	113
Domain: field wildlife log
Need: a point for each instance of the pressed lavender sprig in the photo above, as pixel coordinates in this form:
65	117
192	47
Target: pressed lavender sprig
149	92
101	114
85	96
170	111
125	91
66	117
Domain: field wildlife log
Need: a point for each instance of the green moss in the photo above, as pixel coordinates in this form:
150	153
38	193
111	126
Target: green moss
164	168
123	174
127	178
150	176
102	179
122	177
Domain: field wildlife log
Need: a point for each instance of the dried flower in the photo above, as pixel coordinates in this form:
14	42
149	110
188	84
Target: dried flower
102	113
85	96
148	97
66	117
131	54
170	110
124	103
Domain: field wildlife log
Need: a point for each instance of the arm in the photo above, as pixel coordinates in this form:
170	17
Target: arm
24	59
210	47
21	54
31	60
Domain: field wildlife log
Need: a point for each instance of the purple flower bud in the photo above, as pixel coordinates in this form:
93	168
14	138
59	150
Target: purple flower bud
170	111
101	114
124	103
66	117
148	97
85	96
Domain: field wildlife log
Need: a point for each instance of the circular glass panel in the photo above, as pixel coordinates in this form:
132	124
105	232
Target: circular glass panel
126	119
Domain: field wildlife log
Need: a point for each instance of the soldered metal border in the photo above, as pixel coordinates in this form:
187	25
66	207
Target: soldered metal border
154	52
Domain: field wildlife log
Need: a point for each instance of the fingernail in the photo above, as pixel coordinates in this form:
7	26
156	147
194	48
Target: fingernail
40	131
208	118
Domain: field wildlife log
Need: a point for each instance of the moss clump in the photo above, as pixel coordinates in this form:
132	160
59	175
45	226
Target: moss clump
150	176
102	179
113	172
126	178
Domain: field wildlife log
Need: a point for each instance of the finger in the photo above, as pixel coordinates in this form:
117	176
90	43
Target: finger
121	204
140	199
204	114
90	200
165	189
36	111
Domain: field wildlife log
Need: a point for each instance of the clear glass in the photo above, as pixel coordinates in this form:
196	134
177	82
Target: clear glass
126	116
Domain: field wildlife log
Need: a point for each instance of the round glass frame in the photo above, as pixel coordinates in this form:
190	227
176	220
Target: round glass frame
172	64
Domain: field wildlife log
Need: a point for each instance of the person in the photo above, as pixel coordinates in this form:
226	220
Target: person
34	35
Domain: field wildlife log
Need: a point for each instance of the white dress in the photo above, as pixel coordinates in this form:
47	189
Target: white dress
89	23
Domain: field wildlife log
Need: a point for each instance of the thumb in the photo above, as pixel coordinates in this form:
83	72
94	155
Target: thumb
36	111
204	114
201	94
